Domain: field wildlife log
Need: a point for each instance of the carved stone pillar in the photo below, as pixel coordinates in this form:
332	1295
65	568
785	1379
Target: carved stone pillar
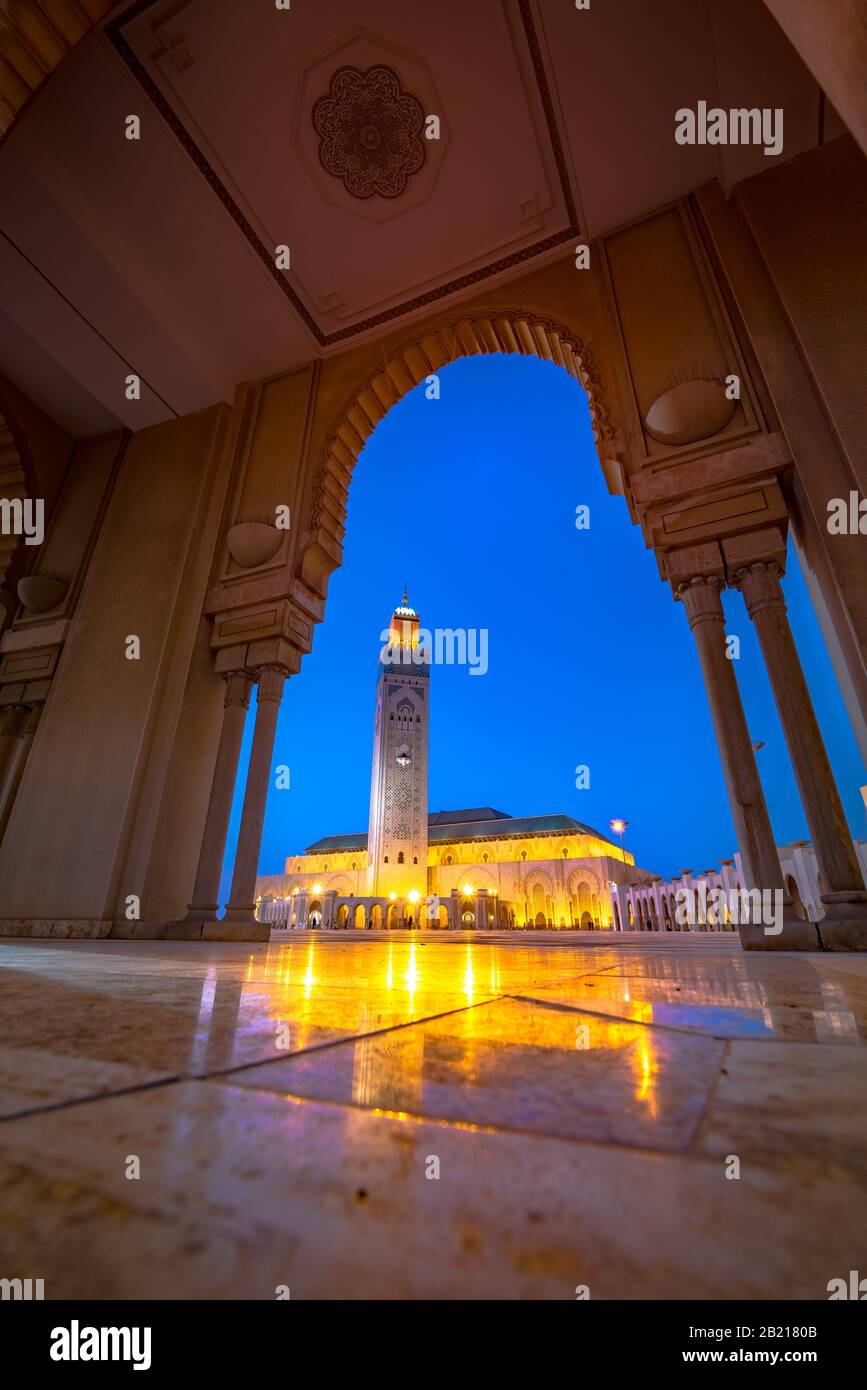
844	896
21	740
242	901
207	886
759	859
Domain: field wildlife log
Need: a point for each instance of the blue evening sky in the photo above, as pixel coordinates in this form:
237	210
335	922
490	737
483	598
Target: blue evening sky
470	501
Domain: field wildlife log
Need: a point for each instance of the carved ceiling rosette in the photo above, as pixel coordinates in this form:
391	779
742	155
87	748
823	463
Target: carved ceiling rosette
371	131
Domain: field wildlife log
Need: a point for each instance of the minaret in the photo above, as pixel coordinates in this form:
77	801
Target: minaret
397	833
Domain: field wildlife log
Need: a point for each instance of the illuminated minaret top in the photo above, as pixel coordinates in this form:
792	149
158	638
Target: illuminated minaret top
397	832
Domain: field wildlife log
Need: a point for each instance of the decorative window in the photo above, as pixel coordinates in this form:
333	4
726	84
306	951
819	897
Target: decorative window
400	857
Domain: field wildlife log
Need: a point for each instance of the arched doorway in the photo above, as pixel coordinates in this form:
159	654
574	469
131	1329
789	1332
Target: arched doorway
343	915
504	331
376	917
539	901
314	914
359	920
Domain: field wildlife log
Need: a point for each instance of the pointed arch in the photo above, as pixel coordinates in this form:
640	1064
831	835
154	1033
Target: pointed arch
434	346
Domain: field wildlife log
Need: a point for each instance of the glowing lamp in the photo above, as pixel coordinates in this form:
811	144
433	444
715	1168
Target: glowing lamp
467	890
392	896
317	888
618	826
414	895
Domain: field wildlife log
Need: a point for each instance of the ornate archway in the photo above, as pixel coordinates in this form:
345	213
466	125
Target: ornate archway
434	346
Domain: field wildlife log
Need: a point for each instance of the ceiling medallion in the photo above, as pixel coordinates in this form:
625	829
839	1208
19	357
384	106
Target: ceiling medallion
370	131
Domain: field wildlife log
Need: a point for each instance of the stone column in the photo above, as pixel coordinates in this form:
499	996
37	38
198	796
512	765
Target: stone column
11	737
241	907
207	886
761	864
22	740
845	897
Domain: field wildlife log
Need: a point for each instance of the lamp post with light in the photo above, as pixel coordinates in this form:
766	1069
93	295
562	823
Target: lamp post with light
619	827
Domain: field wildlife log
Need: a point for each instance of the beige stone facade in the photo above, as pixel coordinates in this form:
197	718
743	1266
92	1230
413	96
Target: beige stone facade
193	434
545	871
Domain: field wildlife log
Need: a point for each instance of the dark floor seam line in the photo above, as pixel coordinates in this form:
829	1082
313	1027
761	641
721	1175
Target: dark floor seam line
619	1018
242	1066
350	1038
88	1100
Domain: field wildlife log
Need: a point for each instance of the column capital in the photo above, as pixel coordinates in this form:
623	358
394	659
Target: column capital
760	585
13	719
271	680
700	597
238	686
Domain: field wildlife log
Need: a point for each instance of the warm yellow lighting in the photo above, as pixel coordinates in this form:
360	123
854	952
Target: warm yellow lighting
618	826
414	895
467	890
468	976
317	888
393	896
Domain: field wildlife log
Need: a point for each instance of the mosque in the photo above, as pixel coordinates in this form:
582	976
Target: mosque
476	867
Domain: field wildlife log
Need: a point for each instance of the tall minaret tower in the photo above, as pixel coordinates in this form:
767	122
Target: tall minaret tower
397	834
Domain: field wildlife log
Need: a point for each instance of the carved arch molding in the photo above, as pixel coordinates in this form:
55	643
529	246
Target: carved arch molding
538	879
434	347
583	878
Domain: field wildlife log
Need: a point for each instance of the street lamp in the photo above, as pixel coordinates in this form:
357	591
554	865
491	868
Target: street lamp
619	826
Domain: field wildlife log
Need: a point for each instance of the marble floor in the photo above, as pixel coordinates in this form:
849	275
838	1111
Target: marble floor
407	1116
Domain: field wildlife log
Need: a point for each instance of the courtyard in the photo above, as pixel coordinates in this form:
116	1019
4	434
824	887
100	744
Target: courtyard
413	1115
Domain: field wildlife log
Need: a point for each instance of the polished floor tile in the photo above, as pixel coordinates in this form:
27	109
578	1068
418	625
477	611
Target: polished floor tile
521	1066
404	1116
728	999
778	1102
241	1191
